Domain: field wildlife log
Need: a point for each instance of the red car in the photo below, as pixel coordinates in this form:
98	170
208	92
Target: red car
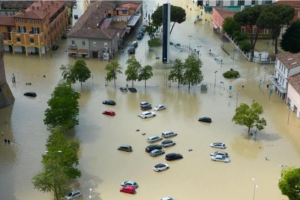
128	189
109	112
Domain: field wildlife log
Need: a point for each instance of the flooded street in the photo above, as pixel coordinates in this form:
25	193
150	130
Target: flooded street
104	168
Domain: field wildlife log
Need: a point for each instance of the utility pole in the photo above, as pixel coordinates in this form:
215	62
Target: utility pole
237	98
190	42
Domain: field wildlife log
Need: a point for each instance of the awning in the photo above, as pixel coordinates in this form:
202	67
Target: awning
71	51
83	51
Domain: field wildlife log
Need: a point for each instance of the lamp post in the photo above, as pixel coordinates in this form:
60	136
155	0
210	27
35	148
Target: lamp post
255	187
190	42
199	50
90	193
237	98
221	62
289	107
215	77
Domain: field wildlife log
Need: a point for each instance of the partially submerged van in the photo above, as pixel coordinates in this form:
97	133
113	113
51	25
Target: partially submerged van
167	134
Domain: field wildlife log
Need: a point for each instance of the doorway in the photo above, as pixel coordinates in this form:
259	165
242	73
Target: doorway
95	54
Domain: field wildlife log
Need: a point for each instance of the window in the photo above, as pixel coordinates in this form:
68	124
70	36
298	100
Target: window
73	42
31	40
18	39
25	20
75	16
35	30
254	30
22	29
266	31
83	42
124	12
243	29
105	45
241	2
30	21
94	43
253	2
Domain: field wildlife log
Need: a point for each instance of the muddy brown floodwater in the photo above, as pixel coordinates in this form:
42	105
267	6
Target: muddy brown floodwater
104	168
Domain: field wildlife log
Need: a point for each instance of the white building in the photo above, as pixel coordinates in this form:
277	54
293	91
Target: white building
286	65
221	3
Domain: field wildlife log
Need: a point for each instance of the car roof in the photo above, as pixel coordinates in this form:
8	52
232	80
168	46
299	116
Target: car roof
153	136
75	191
168	132
167	141
125	146
145	112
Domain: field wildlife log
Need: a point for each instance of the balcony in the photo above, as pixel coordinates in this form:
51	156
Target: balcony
273	79
73	47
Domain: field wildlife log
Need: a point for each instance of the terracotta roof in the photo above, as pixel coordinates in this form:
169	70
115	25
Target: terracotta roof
7	21
295	4
224	14
86	25
289	60
295	82
25	4
40	9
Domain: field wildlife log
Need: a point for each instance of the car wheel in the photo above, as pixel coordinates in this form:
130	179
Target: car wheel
154	115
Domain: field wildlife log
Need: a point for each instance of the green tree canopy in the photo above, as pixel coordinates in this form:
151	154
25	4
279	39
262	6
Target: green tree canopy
80	71
230	26
67	75
63	108
178	15
274	17
291	38
176	74
150	30
145	73
289	183
249	116
133	68
192	73
248	18
113	68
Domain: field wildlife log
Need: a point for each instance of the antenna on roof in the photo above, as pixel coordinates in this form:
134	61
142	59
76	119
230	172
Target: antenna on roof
289	58
294	63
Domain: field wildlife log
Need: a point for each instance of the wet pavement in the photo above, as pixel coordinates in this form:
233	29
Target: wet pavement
104	168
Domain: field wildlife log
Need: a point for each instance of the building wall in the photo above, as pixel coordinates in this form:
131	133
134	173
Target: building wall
293	97
81	43
294	71
297	15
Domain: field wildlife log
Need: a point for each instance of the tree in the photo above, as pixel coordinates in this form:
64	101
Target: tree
63	108
113	68
67	75
290	182
192	73
80	71
58	165
133	68
176	74
291	38
274	17
230	26
178	15
145	73
151	29
248	18
249	116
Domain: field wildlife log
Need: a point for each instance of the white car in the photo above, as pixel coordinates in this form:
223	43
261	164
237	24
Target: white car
220	158
73	194
168	198
160	167
144	103
222	153
154	139
147	114
156	152
167	134
218	145
130	183
160	107
167	143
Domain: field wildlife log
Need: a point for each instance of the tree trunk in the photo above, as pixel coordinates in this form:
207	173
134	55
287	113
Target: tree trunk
276	48
172	28
132	83
249	130
81	83
115	82
145	83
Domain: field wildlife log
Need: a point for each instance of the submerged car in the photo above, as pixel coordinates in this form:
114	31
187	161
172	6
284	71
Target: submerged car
167	134
173	156
218	145
131	49
109	102
123	89
147	114
160	167
73	194
221	153
148	107
55	47
109	112
135	44
130	183
132	89
168	198
126	148
157	152
144	103
205	119
30	94
139	37
160	107
128	189
220	158
167	143
154	139
149	148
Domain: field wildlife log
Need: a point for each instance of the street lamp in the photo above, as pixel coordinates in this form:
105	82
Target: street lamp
255	187
215	77
199	50
90	193
237	98
289	107
190	42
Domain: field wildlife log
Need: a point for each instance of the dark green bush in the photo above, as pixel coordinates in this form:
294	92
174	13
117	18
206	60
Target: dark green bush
245	46
155	42
241	37
231	74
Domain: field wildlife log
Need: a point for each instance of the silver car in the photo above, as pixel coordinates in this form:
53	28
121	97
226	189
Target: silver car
167	143
222	153
161	167
154	139
146	114
73	195
218	145
220	158
130	183
157	152
160	107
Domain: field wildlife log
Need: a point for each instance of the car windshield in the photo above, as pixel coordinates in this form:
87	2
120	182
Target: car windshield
70	194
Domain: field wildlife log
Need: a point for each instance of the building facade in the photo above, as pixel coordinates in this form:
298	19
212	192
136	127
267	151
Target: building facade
293	94
35	30
286	65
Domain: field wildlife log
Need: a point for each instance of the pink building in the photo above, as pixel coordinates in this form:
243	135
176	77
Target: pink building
218	18
293	94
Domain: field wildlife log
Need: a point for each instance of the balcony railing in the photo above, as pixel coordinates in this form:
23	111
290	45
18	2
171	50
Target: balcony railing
273	79
73	47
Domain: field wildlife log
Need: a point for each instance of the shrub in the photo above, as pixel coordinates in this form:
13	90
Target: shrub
231	74
245	46
241	37
155	42
171	43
